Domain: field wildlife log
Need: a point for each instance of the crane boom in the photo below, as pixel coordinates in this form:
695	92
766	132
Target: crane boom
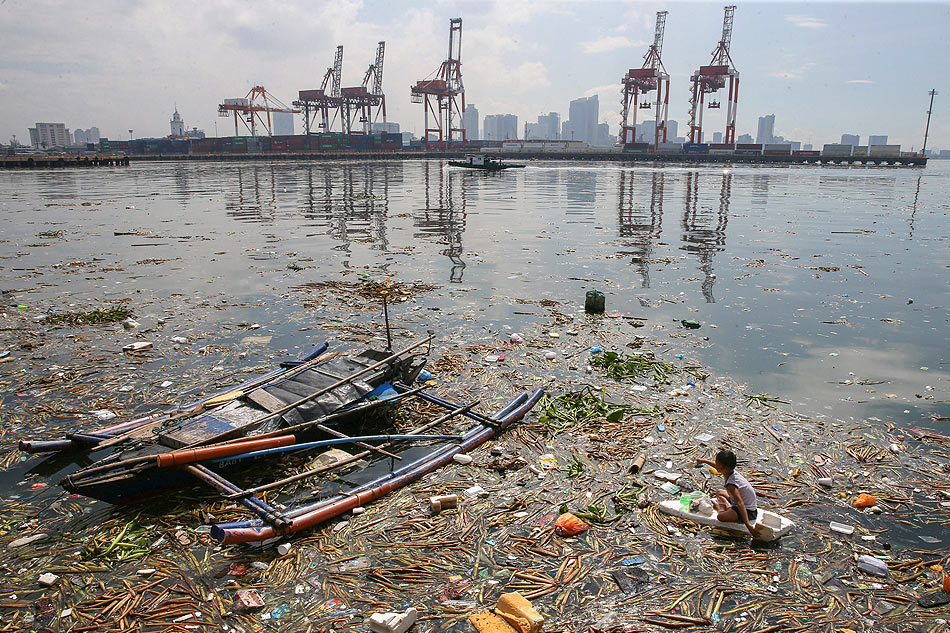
658	35
378	84
337	72
721	54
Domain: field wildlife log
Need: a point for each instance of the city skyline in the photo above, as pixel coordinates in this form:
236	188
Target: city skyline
817	67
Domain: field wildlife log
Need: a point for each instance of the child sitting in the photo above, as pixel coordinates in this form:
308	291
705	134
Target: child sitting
738	502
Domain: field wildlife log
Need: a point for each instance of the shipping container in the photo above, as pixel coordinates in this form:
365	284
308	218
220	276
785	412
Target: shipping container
806	152
722	152
749	146
729	146
836	150
695	148
777	147
877	151
860	150
776	152
643	146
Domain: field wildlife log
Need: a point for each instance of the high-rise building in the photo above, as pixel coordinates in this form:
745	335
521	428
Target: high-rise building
49	135
717	137
766	130
548	128
387	128
195	133
877	140
470	122
79	137
807	147
602	138
744	138
177	125
283	124
850	139
582	120
500	127
672	127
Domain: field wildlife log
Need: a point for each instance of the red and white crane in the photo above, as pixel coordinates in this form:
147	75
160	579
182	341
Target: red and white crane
711	79
443	92
360	100
652	76
318	102
253	110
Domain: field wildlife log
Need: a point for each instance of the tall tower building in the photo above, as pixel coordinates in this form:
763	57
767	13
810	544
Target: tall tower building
470	122
766	129
49	135
177	124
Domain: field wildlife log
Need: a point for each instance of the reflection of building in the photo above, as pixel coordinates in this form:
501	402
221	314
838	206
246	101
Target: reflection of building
444	215
581	193
704	230
639	225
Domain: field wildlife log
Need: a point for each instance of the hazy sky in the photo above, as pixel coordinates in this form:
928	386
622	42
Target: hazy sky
821	68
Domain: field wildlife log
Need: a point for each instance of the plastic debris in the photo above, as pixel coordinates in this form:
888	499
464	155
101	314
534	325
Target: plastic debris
392	622
569	525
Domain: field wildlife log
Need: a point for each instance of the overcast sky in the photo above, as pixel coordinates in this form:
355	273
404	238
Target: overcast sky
822	68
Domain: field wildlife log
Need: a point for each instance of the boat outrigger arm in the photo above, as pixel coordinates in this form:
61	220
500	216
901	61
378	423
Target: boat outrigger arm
272	524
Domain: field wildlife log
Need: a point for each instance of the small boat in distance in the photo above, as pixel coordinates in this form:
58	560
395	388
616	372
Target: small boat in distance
485	163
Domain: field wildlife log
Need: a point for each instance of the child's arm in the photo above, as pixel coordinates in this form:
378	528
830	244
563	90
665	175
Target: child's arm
700	460
741	510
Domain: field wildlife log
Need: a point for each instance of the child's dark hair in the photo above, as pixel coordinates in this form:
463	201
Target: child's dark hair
727	458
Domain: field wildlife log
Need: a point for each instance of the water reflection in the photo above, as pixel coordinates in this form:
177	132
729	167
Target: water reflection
254	197
704	228
639	223
444	213
581	189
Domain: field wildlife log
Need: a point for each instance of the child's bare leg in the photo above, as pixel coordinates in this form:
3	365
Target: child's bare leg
721	501
728	516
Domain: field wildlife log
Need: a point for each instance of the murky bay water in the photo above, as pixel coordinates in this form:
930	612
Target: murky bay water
824	286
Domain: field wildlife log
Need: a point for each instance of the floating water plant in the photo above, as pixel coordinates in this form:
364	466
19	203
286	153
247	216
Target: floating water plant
92	317
622	367
580	407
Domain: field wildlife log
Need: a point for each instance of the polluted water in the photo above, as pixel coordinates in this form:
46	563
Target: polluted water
795	315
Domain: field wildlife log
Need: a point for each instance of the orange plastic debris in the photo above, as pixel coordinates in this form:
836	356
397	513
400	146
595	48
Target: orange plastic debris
946	584
864	501
569	525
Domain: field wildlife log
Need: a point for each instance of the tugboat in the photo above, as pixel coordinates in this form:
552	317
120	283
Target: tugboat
485	163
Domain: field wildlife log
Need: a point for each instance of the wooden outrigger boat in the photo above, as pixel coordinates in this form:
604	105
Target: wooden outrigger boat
304	406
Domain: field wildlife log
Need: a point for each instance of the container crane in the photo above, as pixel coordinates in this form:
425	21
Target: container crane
443	91
652	76
711	79
360	100
253	110
318	102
